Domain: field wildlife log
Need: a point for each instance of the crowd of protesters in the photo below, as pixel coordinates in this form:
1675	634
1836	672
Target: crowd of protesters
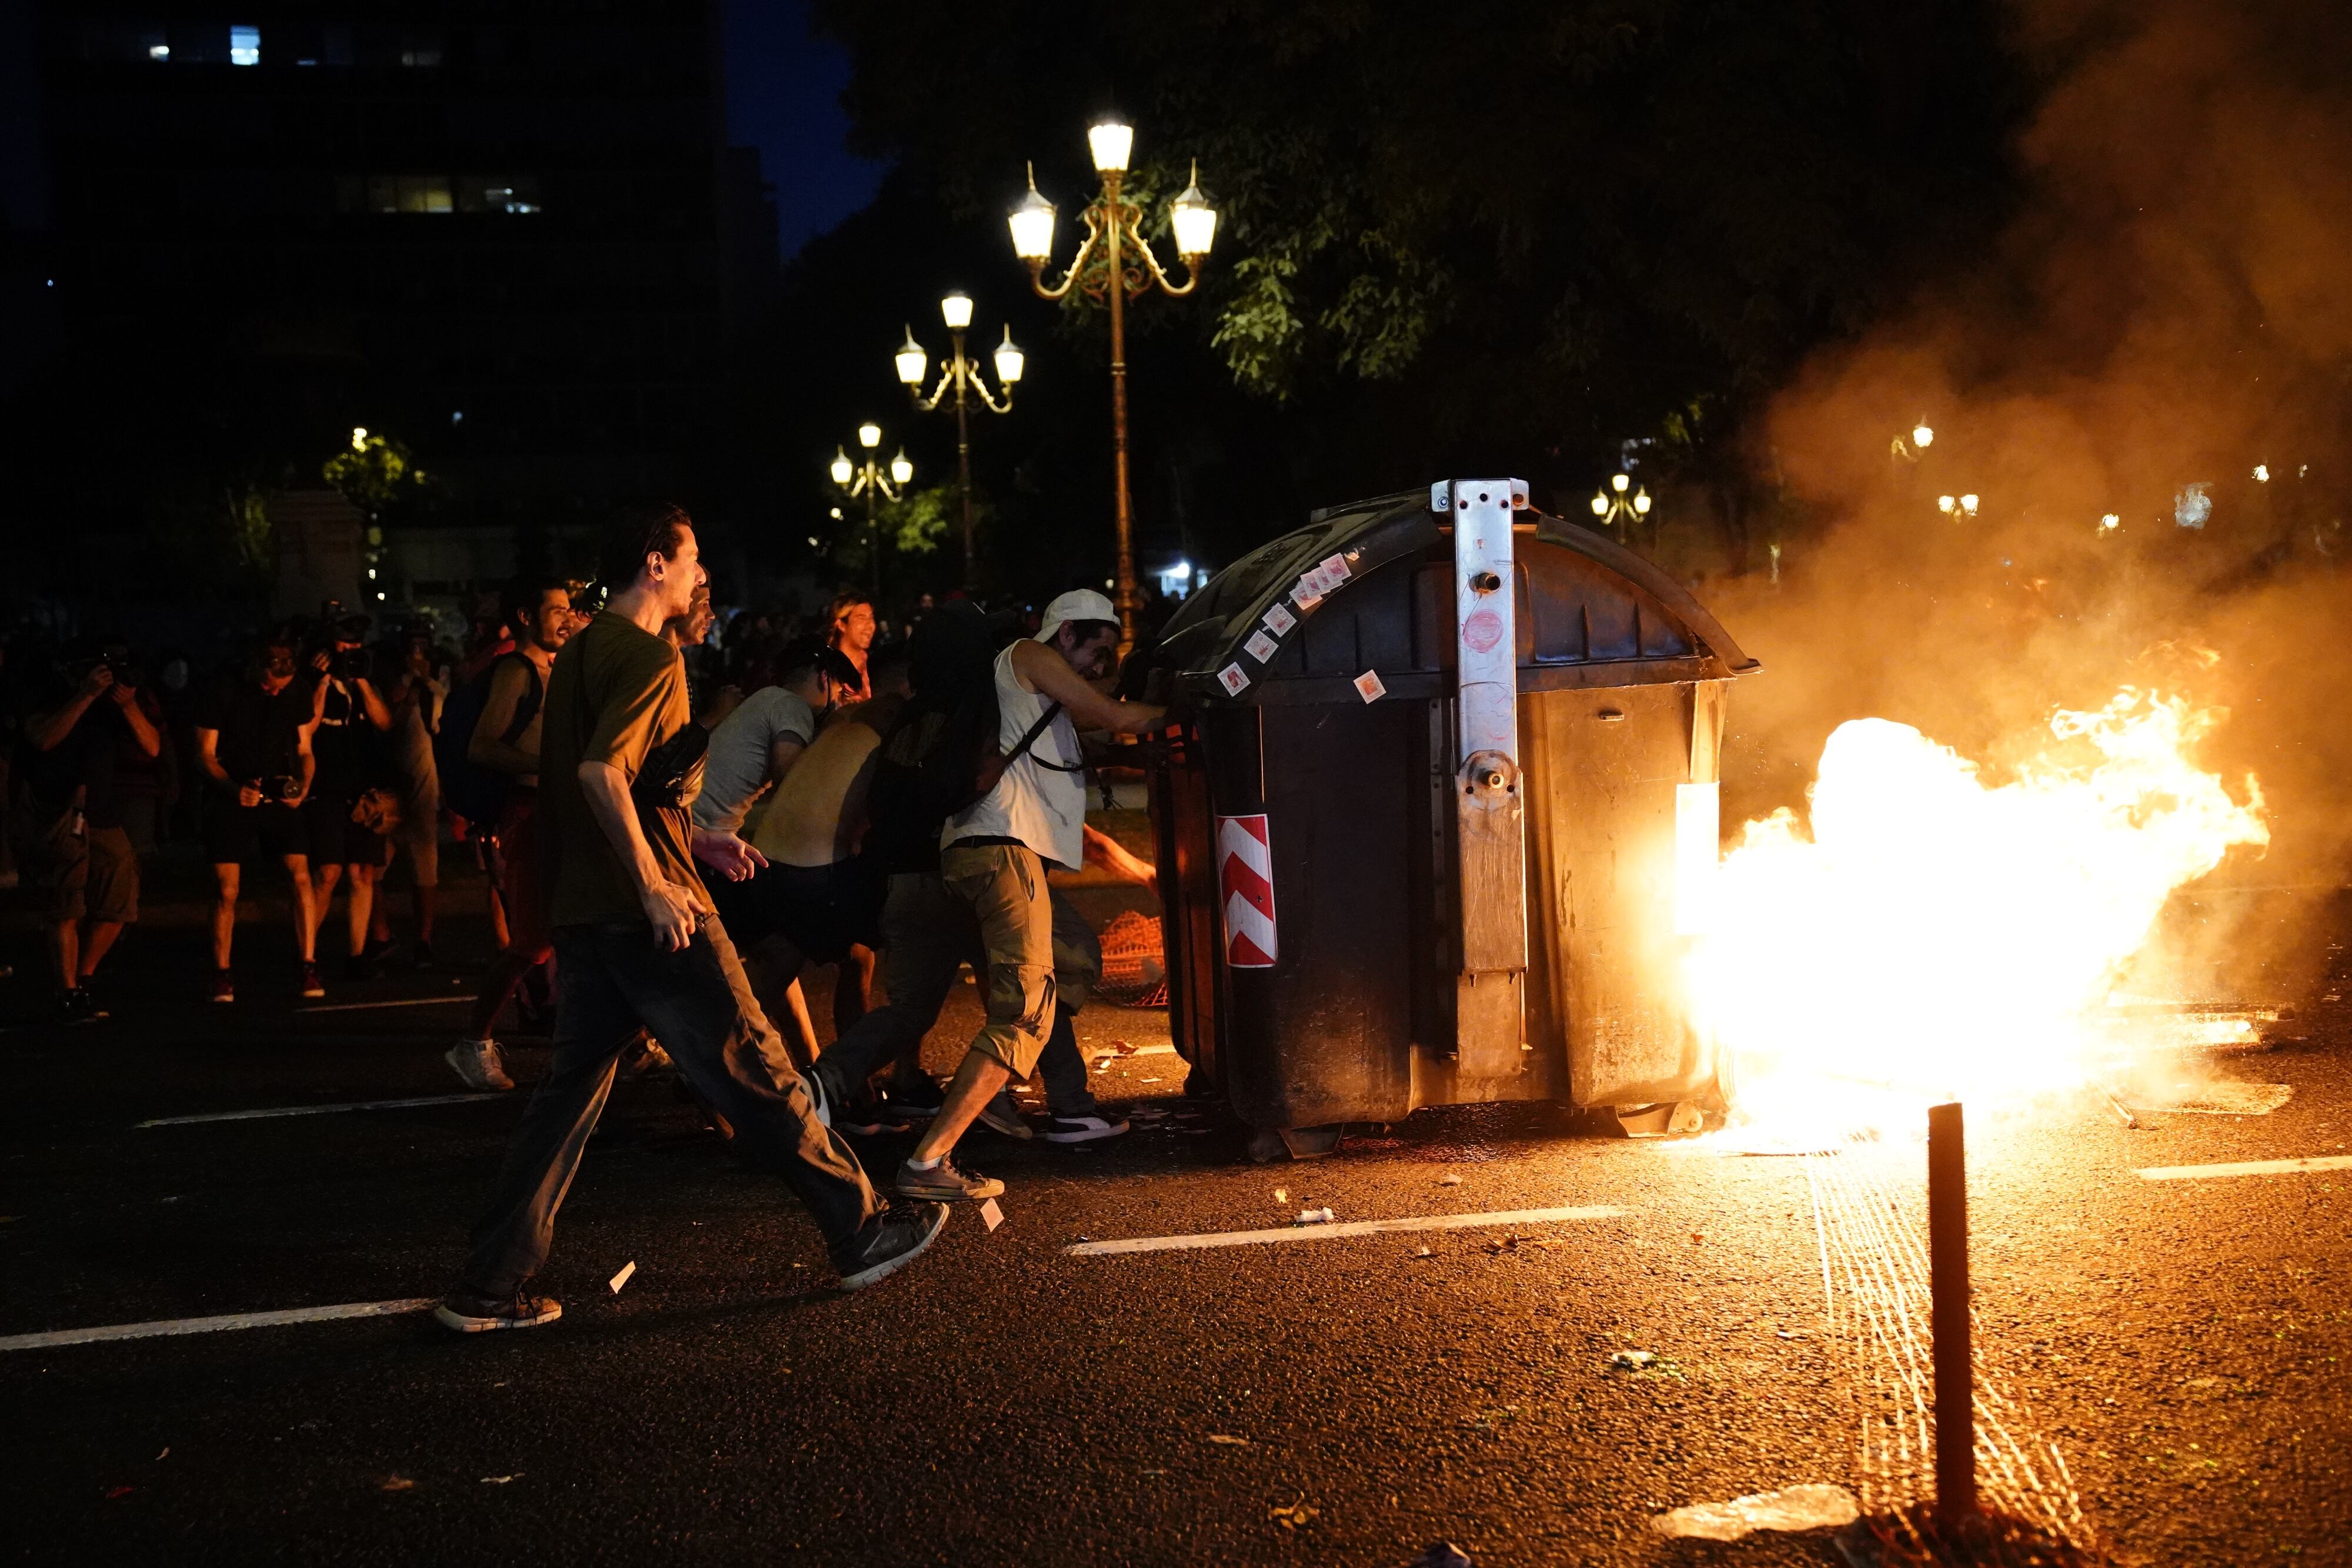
676	814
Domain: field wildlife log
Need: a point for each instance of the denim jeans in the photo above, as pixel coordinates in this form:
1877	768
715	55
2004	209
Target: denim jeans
927	932
697	1002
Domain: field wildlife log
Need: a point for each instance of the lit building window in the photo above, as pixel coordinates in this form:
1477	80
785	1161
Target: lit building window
409	194
497	193
244	45
159	52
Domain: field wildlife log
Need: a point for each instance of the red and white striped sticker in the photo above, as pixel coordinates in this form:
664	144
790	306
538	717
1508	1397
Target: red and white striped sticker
1245	881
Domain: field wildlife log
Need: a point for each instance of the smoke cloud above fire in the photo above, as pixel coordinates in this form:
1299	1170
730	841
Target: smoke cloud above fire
2159	336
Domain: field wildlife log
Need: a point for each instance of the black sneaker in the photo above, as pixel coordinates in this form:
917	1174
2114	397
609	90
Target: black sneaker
376	952
78	1007
469	1313
1083	1127
422	955
921	1097
945	1184
867	1117
890	1242
359	966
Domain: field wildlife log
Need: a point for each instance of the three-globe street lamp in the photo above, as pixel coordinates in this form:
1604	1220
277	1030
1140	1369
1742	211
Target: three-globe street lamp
1115	266
962	374
1615	508
868	480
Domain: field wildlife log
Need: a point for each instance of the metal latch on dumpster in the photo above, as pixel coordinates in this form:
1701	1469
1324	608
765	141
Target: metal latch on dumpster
1490	816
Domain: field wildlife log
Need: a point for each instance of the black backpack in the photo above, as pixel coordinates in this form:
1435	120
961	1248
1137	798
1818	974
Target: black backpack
474	792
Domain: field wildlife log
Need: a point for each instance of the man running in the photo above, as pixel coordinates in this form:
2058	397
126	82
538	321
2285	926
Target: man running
640	948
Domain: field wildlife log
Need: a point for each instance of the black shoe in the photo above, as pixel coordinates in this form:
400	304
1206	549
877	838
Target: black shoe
422	955
377	952
868	1118
359	966
469	1313
889	1242
78	1007
921	1096
1083	1126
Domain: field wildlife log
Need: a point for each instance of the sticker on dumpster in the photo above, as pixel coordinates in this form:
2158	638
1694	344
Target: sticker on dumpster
1279	619
1369	687
1245	880
1335	571
1262	647
1481	630
1231	678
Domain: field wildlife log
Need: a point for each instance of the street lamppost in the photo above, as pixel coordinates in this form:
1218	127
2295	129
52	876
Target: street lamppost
962	374
867	479
1615	508
1115	266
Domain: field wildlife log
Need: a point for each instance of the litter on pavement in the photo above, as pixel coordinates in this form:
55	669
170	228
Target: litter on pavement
1449	1179
1317	1215
990	1215
1295	1517
1229	1440
622	1278
1443	1554
1633	1360
1811	1507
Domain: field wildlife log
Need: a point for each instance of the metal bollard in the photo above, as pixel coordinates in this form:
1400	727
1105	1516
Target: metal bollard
1947	1286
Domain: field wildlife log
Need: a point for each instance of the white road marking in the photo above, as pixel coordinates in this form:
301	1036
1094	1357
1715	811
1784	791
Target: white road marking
214	1325
1343	1227
2249	1168
397	1002
318	1110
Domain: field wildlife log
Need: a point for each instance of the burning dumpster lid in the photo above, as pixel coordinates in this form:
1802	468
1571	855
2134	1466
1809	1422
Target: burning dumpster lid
1224	633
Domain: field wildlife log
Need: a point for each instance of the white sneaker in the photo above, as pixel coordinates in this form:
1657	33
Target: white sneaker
479	1063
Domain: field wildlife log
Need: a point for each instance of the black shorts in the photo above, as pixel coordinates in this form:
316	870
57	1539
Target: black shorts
336	840
823	910
235	834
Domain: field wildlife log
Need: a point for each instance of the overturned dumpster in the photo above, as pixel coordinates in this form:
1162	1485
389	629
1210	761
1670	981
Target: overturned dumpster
1441	822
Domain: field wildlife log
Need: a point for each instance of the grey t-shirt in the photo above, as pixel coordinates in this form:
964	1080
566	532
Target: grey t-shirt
737	768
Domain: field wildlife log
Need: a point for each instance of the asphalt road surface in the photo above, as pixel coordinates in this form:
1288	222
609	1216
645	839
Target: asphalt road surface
2185	1342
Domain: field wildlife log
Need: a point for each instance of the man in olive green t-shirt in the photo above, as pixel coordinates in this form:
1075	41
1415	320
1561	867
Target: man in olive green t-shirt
639	948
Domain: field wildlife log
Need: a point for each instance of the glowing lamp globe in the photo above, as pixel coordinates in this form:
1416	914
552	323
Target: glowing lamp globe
1033	225
1110	142
911	360
955	309
841	469
1009	359
901	469
870	436
1195	221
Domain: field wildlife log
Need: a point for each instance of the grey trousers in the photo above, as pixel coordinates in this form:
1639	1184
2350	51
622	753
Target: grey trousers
928	932
697	1002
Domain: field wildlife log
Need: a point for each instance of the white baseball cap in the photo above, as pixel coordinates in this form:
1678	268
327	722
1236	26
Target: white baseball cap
1079	604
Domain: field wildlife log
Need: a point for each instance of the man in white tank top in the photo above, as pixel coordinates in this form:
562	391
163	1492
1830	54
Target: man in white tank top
993	857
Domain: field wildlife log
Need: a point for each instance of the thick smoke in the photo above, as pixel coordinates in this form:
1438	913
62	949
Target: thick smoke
2170	309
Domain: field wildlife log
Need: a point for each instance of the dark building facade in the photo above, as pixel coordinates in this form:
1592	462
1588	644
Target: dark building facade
496	232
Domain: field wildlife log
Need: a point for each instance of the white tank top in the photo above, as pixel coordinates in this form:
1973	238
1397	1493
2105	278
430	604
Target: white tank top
1043	808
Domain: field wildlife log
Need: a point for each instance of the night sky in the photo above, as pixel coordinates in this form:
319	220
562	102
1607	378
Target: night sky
784	97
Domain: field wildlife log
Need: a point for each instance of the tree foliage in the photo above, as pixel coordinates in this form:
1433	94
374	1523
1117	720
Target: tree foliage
1506	224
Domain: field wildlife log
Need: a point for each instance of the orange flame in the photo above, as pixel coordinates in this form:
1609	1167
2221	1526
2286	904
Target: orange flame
1940	937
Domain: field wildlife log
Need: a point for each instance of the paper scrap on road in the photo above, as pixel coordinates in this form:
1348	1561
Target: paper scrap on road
1812	1507
1633	1360
316	1110
500	1481
1344	1227
397	1483
989	1214
1229	1440
1317	1215
1449	1179
216	1325
622	1278
2248	1167
1297	1516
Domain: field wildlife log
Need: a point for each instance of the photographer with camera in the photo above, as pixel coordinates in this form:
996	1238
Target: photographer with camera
74	844
253	742
352	811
